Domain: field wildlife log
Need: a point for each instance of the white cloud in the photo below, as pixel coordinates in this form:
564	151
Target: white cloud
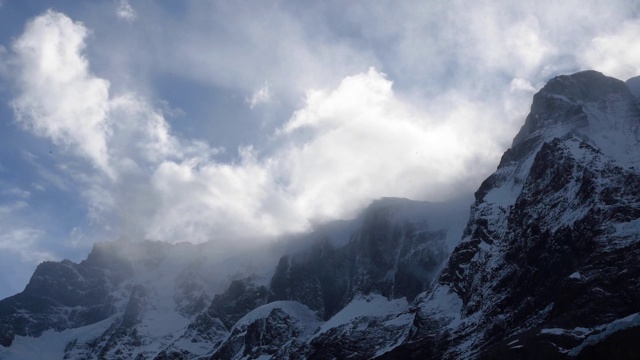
461	93
372	143
347	146
616	53
126	11
519	84
260	96
344	147
59	98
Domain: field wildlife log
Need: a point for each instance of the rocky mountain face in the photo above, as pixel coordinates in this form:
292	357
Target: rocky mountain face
393	259
544	268
150	300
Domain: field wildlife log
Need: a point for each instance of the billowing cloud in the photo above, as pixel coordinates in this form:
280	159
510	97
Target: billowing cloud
59	98
459	79
347	146
363	140
343	148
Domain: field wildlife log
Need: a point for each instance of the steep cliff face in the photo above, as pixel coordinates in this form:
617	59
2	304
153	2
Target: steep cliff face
64	295
545	266
361	289
356	288
388	255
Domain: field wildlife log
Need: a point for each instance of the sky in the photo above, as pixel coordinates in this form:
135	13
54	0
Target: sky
238	121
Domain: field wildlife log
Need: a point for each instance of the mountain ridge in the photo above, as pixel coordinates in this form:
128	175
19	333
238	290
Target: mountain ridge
160	286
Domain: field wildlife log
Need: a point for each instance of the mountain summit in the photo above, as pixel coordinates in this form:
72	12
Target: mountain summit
545	267
542	265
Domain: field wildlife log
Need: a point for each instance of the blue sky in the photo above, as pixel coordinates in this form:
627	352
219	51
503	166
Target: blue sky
235	122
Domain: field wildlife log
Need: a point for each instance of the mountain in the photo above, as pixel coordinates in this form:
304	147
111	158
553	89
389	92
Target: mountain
126	298
152	300
547	264
541	265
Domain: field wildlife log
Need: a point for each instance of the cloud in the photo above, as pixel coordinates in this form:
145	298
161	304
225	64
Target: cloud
344	148
22	241
19	238
21	246
616	53
260	96
126	11
223	44
3	61
38	186
46	173
372	143
16	192
59	98
458	83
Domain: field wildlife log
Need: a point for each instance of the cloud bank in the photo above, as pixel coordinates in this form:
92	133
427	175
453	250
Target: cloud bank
450	86
343	148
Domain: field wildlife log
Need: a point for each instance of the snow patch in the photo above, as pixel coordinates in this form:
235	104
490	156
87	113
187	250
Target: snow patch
604	331
576	275
445	305
553	331
627	228
51	344
370	305
307	318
